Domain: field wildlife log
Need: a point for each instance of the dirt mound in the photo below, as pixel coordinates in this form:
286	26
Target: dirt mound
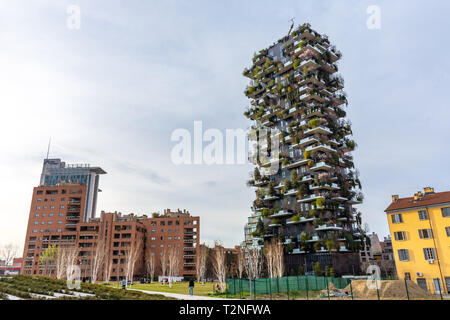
388	289
333	291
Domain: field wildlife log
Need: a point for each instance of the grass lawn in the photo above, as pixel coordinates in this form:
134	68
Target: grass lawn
177	287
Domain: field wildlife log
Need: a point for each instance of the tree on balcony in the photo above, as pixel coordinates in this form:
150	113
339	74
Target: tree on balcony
317	269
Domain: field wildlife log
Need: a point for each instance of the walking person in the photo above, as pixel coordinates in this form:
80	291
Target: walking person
124	284
191	287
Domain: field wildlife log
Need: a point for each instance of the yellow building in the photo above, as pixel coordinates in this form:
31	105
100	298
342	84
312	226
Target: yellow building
420	232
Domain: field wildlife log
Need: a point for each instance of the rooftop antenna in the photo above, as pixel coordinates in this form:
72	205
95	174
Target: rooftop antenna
48	148
292	25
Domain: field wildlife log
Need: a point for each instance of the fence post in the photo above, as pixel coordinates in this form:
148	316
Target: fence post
234	285
270	287
287	286
254	288
328	289
267	287
406	287
240	288
378	291
298	284
317	286
351	288
278	285
307	287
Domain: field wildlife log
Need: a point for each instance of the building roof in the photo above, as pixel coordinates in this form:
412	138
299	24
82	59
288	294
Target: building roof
425	200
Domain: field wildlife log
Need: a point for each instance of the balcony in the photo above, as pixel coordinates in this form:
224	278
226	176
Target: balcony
71	225
72	217
297	251
74	202
302	220
188	240
187	256
314	239
268	198
73	210
291	192
354	200
189	249
270	162
311	64
281	213
274	225
326	227
295	164
320	166
319	129
189	263
339	198
306	141
310	198
327	186
286	67
320	147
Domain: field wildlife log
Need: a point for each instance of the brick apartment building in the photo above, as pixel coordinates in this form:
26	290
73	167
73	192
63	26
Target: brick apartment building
59	216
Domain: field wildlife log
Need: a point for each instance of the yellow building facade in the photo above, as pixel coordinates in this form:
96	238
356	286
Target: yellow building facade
420	233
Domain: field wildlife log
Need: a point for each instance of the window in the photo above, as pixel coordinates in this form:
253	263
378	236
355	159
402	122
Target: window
429	253
400	235
153	238
397	218
422	283
403	254
445	212
447	229
162	223
407	276
36	222
39	199
423	215
425	233
59	222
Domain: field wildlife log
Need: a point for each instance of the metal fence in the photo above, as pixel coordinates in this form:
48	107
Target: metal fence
320	287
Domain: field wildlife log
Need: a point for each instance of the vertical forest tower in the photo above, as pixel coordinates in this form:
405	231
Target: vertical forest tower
308	202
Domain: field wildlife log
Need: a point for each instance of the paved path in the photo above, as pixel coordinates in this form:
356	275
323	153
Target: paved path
182	296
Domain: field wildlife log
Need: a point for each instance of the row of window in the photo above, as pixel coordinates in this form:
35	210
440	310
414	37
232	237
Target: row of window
429	254
47	230
423	234
51	207
422	214
48	222
50	214
168	238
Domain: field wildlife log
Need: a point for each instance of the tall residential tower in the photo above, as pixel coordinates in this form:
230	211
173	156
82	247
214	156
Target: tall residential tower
307	202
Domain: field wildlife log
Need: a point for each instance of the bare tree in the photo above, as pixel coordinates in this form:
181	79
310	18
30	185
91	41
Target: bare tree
163	262
151	267
202	255
65	256
240	263
269	254
219	265
254	263
97	259
70	259
131	255
7	253
174	261
107	266
278	258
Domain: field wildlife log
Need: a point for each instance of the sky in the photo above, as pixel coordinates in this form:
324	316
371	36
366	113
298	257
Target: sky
112	92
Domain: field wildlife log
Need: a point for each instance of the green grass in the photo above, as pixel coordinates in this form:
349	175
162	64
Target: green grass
178	287
23	286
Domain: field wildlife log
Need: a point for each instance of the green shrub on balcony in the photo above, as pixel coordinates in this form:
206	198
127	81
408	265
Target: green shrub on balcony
314	123
331	245
320	202
296	64
275	221
265	213
306	154
296	218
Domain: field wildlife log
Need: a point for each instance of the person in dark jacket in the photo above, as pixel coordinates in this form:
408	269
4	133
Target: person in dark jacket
191	287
